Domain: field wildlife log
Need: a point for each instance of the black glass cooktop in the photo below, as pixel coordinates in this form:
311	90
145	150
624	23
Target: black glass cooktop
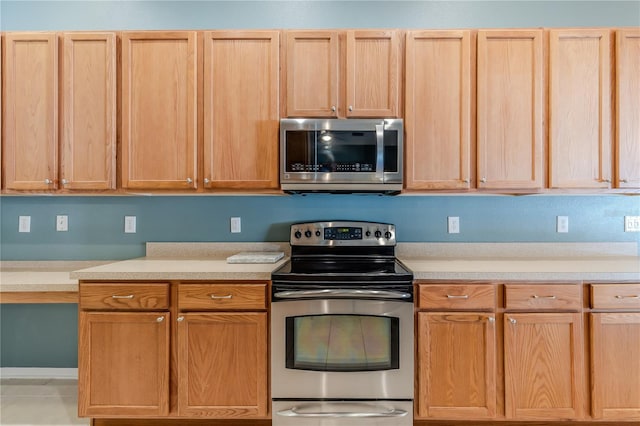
343	268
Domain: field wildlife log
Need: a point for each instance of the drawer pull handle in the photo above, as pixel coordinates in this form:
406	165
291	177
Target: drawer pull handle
463	296
115	296
512	321
228	296
180	319
491	319
160	319
535	296
636	296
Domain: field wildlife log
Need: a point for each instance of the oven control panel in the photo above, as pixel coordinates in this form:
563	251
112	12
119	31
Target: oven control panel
345	233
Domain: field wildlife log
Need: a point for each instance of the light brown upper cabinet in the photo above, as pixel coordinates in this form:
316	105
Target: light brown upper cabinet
580	108
342	74
30	151
159	110
88	111
628	109
510	109
241	109
439	122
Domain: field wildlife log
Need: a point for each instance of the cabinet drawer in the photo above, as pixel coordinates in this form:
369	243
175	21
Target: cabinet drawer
142	296
457	297
222	296
561	297
615	296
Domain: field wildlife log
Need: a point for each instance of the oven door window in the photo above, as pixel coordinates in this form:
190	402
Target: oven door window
342	342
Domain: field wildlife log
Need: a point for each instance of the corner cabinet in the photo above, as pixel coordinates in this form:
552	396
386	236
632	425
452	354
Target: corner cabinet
30	102
510	109
348	74
241	109
580	113
159	110
439	105
627	146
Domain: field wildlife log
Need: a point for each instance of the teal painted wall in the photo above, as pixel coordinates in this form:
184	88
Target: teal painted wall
45	335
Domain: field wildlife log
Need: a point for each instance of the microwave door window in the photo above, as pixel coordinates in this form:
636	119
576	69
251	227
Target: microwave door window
301	151
347	151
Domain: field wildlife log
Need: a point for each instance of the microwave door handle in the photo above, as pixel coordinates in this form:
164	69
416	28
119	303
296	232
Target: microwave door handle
380	152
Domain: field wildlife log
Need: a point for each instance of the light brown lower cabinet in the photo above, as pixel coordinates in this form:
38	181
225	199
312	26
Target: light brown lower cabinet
544	366
222	365
457	365
123	367
173	350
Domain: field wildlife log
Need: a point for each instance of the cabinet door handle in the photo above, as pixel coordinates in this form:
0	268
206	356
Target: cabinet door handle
512	321
228	296
333	108
129	296
462	296
491	319
180	319
633	296
65	182
189	180
350	108
465	180
48	181
535	296
160	319
206	180
483	180
624	180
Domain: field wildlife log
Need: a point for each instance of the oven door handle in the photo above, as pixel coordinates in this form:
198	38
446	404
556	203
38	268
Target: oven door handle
293	412
344	293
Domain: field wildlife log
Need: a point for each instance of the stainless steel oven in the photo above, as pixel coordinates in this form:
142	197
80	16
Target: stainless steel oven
355	155
342	328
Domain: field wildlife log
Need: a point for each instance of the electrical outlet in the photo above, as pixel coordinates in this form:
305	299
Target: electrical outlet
129	224
62	223
632	224
562	224
24	224
453	224
236	225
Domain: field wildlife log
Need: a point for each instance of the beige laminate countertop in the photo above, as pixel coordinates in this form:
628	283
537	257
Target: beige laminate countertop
209	263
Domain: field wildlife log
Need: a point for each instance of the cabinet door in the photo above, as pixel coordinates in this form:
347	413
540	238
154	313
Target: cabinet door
544	366
123	366
159	110
438	111
222	369
312	64
628	108
373	74
615	366
88	111
510	109
31	111
457	365
580	109
241	80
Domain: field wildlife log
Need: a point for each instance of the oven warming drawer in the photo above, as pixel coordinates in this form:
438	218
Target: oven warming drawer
342	413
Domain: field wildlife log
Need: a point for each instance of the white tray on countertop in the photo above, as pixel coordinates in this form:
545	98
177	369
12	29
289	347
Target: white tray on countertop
256	257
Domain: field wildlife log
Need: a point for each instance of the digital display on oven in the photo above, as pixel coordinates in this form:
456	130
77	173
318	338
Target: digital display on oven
343	233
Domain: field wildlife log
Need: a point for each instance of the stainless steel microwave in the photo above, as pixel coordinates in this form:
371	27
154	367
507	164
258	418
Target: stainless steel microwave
332	155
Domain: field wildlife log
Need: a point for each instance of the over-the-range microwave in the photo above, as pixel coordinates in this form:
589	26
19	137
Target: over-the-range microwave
341	155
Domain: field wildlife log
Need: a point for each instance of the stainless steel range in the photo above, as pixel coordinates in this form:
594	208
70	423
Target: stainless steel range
342	328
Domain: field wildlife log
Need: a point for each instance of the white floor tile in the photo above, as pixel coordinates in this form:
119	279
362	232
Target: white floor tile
35	402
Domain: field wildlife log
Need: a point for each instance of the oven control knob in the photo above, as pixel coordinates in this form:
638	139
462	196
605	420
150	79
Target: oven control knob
318	233
378	234
298	234
387	235
307	233
368	233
